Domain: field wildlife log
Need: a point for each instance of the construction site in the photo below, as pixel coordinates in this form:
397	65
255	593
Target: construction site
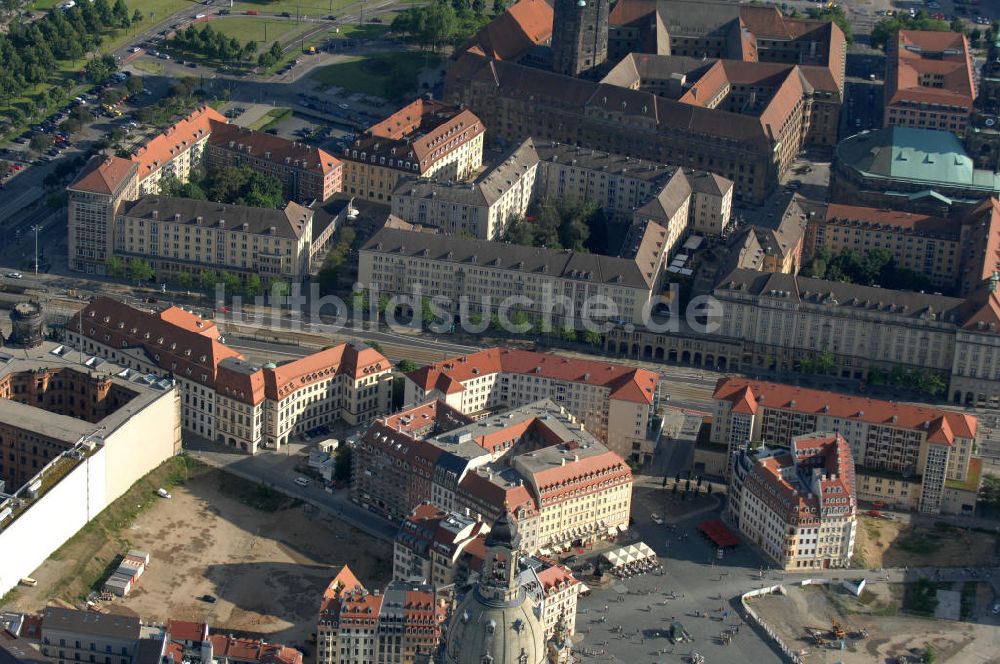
825	624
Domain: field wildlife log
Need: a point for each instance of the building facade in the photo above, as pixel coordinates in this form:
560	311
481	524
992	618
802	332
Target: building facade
929	81
554	284
562	484
93	200
224	397
182	235
306	173
423	139
401	624
798	504
897	440
483	208
437	547
175	152
579	36
616	403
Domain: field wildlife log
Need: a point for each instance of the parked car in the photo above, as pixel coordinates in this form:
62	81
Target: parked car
302	481
14	275
162	493
656	518
208	598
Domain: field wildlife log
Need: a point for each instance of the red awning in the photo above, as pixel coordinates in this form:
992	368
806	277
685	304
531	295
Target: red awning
720	535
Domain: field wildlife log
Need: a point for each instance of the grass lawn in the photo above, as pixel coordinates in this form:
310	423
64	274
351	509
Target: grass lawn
271	118
147	66
366	31
306	8
367	74
261	30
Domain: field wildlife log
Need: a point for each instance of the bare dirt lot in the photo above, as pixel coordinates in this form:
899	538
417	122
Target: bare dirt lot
263	556
891	634
884	543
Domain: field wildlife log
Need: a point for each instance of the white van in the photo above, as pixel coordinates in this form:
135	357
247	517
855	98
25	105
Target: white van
302	481
28	581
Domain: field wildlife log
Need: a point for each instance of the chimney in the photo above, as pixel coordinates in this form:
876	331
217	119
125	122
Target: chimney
156	214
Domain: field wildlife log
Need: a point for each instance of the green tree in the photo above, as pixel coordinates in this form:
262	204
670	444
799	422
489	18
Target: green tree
136	17
280	288
185	280
929	655
232	282
133	84
115	266
989	491
886	29
252	287
593	338
40	142
567	333
519	232
343	463
140	270
406	366
208	279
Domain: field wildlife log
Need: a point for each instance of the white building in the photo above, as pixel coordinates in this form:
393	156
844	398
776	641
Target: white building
798	504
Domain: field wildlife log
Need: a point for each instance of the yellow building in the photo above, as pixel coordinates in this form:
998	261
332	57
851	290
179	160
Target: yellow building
423	139
178	235
93	200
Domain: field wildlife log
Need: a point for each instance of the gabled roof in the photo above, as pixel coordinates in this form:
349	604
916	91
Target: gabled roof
844	406
625	383
943	55
525	24
175	139
105	176
275	149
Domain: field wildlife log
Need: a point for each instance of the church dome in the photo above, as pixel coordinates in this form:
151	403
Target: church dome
484	631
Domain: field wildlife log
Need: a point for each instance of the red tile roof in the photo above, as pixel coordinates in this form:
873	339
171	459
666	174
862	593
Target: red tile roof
944	55
353	359
524	25
556	577
273	148
592	473
185	630
175	139
181	351
831	404
625	383
919	223
105	176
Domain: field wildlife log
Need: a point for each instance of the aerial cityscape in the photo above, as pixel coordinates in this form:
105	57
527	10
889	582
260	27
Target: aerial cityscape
510	332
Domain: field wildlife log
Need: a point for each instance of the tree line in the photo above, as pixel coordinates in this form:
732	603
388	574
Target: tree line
30	51
232	185
444	22
211	43
140	271
562	225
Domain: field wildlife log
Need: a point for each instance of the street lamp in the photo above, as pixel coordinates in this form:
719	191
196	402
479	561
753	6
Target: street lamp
36	228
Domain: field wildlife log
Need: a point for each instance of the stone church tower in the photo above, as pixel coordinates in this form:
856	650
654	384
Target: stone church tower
579	36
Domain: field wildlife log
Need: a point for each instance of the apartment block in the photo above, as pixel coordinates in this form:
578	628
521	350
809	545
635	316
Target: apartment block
561	483
176	151
201	138
69	635
798	504
401	624
425	138
929	81
614	402
437	547
483	208
182	235
889	440
306	173
93	200
226	398
923	243
559	284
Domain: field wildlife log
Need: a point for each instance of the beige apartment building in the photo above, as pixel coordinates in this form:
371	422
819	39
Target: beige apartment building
482	208
93	200
926	244
184	235
224	397
889	441
425	139
176	151
562	485
798	504
401	624
399	256
615	402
